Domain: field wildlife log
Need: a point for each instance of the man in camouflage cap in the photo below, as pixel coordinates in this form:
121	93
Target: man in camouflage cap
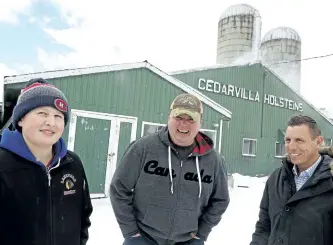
187	104
171	186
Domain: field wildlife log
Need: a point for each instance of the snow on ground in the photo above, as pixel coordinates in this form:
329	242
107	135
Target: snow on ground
236	226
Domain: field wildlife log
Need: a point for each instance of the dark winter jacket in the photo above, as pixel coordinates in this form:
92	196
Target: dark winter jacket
304	217
40	206
169	207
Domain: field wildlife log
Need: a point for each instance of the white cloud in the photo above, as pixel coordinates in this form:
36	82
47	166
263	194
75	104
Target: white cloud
10	10
4	71
112	32
181	34
25	68
46	20
316	82
51	61
32	19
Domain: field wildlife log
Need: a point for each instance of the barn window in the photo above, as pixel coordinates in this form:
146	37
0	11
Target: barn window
149	128
249	147
279	149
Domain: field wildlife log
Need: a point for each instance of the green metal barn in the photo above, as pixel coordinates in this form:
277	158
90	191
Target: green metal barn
245	112
112	106
261	104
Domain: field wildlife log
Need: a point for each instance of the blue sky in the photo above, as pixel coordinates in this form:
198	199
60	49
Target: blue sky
20	41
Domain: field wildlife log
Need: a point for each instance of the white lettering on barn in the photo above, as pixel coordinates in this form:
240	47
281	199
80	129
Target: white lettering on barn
243	93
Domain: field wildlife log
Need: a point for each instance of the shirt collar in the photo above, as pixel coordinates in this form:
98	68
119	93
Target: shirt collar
308	171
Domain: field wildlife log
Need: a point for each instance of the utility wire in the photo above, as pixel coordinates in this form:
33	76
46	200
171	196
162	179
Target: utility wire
310	58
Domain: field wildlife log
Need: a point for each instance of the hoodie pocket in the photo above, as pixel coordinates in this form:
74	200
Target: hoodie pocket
158	217
186	221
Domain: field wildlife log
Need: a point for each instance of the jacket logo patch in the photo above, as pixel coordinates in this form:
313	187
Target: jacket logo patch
194	177
151	167
68	181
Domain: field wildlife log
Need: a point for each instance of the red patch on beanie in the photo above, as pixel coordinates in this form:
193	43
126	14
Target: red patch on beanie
61	105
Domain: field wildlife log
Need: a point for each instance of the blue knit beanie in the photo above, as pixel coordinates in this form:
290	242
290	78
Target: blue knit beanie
36	94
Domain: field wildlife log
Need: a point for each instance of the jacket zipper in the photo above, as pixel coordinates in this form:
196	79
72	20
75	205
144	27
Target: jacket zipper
179	179
50	202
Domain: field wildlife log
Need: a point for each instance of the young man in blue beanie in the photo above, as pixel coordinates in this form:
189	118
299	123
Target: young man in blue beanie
44	194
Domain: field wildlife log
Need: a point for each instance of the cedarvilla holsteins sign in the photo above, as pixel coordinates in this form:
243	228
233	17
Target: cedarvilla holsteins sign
242	93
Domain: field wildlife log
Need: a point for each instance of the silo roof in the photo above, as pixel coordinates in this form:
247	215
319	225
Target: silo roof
281	33
239	9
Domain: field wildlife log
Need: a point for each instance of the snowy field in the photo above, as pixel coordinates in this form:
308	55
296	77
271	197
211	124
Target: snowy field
236	227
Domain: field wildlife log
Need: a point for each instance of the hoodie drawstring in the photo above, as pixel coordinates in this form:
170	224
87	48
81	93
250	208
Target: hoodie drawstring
199	174
170	169
197	167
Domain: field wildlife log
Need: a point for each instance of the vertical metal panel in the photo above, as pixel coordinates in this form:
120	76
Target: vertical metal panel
91	144
124	139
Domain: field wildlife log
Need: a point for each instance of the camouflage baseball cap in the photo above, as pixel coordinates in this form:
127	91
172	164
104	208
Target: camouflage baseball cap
187	104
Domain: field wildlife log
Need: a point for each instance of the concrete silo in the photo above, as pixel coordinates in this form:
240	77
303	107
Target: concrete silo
279	49
239	35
